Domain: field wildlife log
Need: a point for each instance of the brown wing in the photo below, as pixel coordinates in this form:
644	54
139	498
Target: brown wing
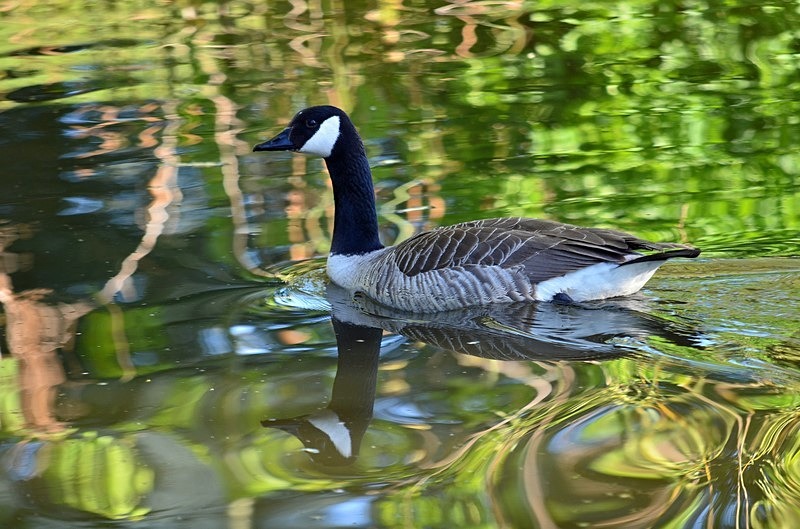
545	249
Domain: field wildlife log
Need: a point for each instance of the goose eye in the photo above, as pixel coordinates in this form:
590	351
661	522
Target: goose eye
311	123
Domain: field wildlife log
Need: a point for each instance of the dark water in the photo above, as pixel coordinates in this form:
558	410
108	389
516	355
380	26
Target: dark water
171	353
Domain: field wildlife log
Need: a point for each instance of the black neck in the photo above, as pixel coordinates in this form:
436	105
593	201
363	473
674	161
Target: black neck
355	228
359	350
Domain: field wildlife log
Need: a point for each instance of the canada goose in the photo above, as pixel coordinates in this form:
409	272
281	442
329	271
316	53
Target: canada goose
480	262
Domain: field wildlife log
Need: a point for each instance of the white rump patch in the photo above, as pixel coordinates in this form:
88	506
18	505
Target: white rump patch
322	142
328	422
599	281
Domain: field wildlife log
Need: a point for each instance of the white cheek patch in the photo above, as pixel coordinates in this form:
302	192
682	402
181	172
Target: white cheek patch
329	423
322	142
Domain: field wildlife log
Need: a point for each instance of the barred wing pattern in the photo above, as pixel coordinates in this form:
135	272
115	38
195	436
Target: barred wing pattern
544	249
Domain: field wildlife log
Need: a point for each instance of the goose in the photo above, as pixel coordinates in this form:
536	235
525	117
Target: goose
480	262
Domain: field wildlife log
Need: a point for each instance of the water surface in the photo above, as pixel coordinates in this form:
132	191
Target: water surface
171	353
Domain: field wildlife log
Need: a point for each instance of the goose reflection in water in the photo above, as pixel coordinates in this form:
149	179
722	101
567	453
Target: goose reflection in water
523	331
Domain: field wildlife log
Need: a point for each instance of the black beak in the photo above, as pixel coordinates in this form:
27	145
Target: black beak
281	142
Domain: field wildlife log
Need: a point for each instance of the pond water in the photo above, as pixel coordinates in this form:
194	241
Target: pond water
172	356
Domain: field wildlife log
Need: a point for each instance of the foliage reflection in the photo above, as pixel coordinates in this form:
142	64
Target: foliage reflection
151	321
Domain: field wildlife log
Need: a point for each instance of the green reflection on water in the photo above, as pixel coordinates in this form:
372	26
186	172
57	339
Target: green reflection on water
126	132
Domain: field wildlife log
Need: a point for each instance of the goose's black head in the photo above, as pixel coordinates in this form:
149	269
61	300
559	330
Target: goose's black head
317	131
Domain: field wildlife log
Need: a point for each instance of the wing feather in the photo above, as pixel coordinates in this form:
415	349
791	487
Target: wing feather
543	249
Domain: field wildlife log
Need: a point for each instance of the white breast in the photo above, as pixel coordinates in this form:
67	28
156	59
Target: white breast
348	270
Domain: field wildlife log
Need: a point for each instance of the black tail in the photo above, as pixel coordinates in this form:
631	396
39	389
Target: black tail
663	256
